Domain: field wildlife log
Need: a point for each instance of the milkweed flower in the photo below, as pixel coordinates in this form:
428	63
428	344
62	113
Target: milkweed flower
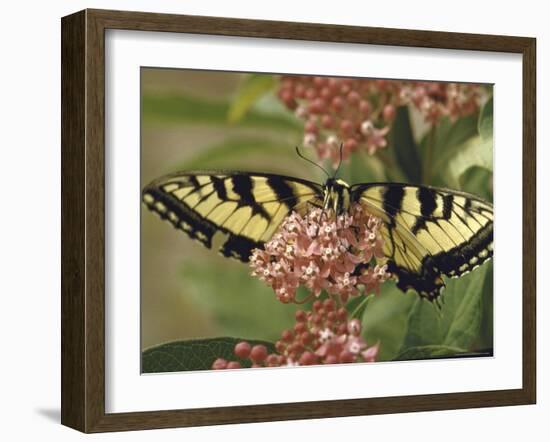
358	113
335	109
321	251
324	335
435	100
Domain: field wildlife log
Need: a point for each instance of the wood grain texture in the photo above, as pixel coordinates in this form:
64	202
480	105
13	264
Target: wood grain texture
83	218
529	221
73	254
144	21
95	222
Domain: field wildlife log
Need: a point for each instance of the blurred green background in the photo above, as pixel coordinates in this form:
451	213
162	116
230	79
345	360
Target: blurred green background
218	120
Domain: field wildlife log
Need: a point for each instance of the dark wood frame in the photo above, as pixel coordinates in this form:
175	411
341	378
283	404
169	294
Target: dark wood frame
83	215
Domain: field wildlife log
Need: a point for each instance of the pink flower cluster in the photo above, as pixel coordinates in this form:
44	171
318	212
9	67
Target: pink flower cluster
321	251
435	100
359	112
323	336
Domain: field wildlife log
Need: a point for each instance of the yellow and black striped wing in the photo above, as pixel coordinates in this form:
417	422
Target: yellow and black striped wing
429	232
233	212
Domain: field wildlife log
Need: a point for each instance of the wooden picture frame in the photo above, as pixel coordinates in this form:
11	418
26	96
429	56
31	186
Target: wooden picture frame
83	219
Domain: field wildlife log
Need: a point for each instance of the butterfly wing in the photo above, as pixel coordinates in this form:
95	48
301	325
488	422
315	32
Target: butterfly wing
233	212
429	232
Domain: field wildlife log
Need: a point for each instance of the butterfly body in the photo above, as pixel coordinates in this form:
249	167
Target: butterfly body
428	232
337	195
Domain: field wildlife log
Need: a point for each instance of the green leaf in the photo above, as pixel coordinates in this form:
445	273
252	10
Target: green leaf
485	122
183	109
238	304
476	152
478	181
430	352
385	320
236	149
404	147
464	328
450	135
458	322
446	139
423	326
363	168
356	306
250	90
195	354
485	338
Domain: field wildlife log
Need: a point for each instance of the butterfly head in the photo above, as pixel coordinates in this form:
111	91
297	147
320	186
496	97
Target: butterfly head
337	195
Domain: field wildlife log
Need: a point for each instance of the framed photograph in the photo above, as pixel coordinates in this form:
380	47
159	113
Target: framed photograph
267	220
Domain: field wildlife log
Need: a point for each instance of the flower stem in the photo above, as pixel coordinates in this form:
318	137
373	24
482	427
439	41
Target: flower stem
306	299
362	305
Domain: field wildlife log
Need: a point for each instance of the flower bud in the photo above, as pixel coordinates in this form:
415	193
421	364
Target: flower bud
287	336
242	350
350	145
337	104
310	127
300	316
346	357
258	353
353	98
219	364
364	108
346	127
388	113
308	358
327	121
273	360
354	327
233	365
342	314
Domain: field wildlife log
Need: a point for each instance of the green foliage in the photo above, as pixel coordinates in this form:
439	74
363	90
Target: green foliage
443	155
252	88
485	122
356	306
429	352
187	110
485	338
478	181
233	150
460	319
363	168
404	323
476	152
194	354
447	138
239	304
404	147
461	146
385	319
440	144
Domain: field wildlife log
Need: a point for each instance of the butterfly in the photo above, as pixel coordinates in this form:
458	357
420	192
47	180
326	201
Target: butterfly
428	232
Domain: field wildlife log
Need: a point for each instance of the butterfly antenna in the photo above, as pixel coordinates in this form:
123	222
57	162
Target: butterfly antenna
340	161
312	162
